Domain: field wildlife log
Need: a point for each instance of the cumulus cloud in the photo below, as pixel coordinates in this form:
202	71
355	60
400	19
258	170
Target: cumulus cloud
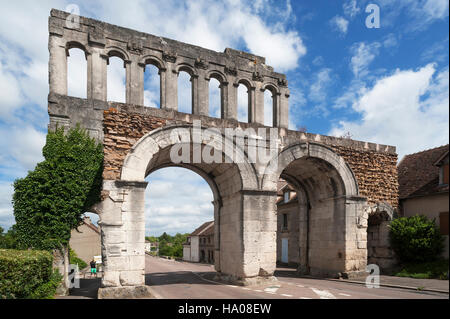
408	109
340	24
177	200
363	54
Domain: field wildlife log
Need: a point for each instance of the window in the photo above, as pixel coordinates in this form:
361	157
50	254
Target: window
443	223
285	221
287	196
445	174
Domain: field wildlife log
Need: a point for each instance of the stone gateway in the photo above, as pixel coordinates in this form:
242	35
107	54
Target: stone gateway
337	180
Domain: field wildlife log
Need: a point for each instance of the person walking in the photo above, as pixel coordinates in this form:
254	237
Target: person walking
93	268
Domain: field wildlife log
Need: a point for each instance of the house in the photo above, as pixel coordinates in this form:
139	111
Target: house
287	225
86	240
199	246
423	187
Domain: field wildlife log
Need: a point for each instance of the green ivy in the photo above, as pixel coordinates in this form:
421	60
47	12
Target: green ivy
49	202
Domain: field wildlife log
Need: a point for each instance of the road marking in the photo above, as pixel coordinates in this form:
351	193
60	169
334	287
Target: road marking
257	290
272	289
305	298
323	294
269	292
245	288
286	295
342	294
232	286
300	286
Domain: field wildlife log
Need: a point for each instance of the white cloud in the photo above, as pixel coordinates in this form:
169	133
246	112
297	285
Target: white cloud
363	55
317	91
350	8
340	24
408	109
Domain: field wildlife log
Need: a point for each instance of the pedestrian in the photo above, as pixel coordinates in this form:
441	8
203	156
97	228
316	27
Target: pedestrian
93	268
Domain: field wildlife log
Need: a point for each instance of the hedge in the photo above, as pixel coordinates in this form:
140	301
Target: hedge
27	274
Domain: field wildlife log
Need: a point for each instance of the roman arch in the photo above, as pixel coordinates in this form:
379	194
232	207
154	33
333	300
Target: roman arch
337	179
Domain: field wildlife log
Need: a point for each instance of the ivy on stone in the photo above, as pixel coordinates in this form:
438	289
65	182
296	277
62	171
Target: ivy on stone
49	202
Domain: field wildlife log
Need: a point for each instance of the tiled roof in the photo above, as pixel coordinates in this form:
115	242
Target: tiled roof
200	230
417	174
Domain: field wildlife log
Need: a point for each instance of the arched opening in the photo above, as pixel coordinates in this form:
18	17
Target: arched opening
185	92
243	93
179	218
116	78
76	73
269	107
314	231
215	98
152	86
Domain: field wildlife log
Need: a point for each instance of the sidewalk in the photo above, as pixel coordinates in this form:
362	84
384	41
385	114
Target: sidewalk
408	283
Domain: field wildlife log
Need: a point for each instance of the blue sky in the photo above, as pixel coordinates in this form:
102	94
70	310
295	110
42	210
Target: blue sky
387	85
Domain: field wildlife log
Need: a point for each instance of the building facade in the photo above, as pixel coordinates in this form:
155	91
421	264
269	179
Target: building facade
86	240
199	246
424	187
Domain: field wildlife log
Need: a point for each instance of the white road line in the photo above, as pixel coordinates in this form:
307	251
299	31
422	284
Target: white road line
300	286
342	294
232	286
286	295
269	292
272	289
245	288
257	290
323	294
305	298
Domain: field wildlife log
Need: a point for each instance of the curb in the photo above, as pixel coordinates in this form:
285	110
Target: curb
391	286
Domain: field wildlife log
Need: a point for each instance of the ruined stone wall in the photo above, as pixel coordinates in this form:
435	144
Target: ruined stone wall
376	173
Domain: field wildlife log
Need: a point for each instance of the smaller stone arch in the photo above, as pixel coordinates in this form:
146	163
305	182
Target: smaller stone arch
115	51
296	151
248	83
215	74
153	60
77	45
272	87
186	67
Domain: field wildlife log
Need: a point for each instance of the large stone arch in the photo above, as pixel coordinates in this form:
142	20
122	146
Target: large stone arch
122	212
331	240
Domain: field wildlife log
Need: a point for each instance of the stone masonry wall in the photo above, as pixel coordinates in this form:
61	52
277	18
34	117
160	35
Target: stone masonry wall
375	172
122	130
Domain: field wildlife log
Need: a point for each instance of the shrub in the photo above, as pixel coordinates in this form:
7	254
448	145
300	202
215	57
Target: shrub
75	260
415	239
27	274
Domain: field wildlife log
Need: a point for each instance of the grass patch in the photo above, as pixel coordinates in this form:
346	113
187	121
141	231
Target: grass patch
429	270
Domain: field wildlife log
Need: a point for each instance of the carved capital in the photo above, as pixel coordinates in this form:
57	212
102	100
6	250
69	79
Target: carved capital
282	82
257	76
135	46
231	70
201	63
169	56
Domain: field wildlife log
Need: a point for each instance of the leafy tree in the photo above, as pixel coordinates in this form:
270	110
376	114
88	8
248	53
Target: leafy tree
415	239
9	239
49	201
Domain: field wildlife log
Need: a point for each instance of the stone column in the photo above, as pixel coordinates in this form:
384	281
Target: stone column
284	108
201	107
251	104
171	87
224	101
135	81
231	112
162	88
96	81
122	222
217	207
276	109
57	65
259	105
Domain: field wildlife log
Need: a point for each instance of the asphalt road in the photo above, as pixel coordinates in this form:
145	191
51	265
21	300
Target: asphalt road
183	280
